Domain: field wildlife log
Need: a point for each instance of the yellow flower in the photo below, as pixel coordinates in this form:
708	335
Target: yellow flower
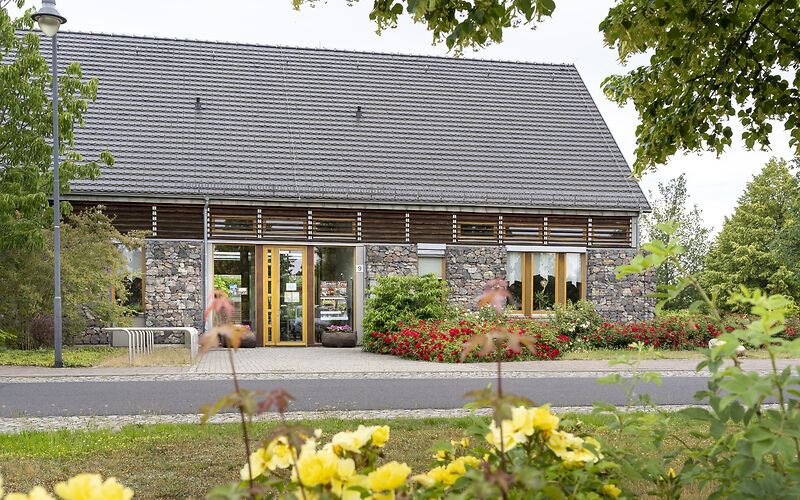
388	476
578	457
510	437
258	464
543	419
521	420
349	441
347	493
442	475
441	455
610	490
279	454
671	473
346	468
424	480
37	493
465	442
560	442
92	487
315	468
380	435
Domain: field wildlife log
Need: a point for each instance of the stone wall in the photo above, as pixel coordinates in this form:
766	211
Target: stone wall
389	260
468	268
93	334
173	289
618	300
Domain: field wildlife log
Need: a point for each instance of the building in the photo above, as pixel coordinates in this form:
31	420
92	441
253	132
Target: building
293	177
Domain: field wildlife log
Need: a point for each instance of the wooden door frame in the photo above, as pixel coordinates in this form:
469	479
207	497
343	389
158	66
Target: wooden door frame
275	293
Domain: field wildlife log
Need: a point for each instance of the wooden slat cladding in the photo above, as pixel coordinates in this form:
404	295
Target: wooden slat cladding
383	226
179	222
567	230
611	231
238	222
430	227
477	228
334	225
125	216
520	228
284	223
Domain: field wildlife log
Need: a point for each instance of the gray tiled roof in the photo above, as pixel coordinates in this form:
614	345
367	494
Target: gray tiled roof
280	123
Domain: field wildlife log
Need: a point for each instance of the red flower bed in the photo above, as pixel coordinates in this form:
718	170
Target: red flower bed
443	340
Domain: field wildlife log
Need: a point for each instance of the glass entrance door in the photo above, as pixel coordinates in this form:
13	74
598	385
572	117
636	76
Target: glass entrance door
284	301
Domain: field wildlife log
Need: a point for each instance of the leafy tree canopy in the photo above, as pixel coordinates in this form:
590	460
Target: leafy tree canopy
673	205
26	131
712	62
745	252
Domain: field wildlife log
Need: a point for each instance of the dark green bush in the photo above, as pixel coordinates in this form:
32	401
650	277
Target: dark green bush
397	299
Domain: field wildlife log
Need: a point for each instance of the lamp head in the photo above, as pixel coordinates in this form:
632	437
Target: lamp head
48	18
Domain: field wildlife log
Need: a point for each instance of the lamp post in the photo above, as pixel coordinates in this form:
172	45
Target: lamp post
49	21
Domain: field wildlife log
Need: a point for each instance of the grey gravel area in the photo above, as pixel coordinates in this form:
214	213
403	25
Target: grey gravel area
340	375
115	422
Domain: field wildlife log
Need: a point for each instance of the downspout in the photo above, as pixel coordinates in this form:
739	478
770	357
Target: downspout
203	264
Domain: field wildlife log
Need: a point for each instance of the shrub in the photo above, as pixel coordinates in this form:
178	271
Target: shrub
399	299
443	340
577	319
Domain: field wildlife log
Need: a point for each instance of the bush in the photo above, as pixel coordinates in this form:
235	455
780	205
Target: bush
443	340
401	299
579	318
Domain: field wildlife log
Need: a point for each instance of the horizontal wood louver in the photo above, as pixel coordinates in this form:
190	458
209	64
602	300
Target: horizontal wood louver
611	231
284	223
430	227
334	225
239	222
567	230
124	217
523	229
474	228
383	226
179	222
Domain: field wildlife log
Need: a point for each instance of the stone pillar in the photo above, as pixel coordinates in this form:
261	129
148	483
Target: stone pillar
619	300
468	268
389	260
173	286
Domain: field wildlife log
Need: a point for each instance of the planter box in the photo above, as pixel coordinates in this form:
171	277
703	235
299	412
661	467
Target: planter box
338	339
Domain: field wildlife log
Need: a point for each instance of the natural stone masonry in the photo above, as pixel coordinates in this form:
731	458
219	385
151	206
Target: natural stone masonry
619	300
93	334
173	289
468	268
390	260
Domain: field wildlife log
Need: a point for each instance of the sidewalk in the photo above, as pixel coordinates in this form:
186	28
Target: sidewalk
320	362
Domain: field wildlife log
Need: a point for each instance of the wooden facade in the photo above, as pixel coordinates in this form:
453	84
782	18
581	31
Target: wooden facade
314	225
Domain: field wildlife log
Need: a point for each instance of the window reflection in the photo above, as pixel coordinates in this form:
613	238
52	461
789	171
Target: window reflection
235	274
544	280
333	295
514	274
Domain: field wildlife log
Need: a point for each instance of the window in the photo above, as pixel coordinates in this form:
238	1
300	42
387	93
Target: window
477	231
431	265
278	227
235	274
333	297
134	286
539	281
334	228
233	224
513	231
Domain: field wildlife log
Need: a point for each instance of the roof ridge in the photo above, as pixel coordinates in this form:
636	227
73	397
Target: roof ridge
316	49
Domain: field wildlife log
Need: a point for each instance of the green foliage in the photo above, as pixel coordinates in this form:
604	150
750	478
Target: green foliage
709	63
576	318
223	282
461	25
398	299
672	206
89	254
26	130
745	252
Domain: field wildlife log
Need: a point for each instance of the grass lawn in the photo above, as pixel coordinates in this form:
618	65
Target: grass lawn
104	356
186	461
72	357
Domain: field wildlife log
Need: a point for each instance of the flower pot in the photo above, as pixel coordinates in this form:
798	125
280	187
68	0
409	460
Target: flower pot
338	339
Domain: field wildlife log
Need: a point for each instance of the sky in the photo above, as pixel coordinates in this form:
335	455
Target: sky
569	36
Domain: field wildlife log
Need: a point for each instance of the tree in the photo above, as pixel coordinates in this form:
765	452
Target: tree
26	128
745	251
710	62
92	266
673	206
788	242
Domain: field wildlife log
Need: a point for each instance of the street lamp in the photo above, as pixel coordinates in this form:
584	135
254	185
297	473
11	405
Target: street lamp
49	21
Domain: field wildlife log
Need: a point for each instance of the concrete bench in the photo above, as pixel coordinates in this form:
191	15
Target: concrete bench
141	340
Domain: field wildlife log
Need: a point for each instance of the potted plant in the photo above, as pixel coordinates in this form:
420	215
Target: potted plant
339	336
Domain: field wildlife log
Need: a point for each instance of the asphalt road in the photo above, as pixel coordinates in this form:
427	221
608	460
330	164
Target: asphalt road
171	397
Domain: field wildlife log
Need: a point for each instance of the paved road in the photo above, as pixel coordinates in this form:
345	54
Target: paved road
171	397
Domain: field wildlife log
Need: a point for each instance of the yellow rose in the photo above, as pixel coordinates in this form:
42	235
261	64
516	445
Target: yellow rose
610	490
39	493
279	454
350	441
112	490
346	469
441	455
470	460
578	457
388	476
543	419
442	475
560	442
315	468
521	420
80	487
424	480
510	438
380	435
465	442
347	493
257	464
